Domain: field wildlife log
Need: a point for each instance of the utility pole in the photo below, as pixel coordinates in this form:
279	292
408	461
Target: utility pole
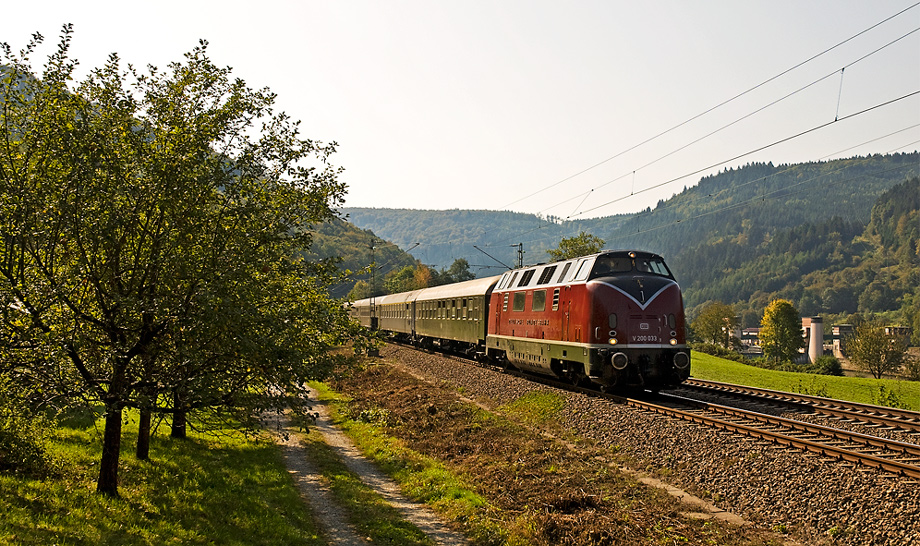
520	247
373	284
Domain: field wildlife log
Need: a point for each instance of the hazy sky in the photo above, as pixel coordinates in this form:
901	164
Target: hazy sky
479	104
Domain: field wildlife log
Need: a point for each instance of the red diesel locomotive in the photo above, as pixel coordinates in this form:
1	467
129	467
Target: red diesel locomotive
615	319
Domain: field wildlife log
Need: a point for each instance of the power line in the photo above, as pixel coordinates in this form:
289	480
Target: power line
761	148
721	104
761	198
742	118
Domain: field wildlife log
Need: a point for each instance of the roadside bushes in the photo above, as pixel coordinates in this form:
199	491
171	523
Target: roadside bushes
719	351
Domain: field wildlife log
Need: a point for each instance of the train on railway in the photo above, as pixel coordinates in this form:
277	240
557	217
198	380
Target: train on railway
614	319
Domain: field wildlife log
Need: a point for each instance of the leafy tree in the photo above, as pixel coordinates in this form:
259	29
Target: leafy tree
400	280
781	331
716	324
573	247
151	239
873	349
459	271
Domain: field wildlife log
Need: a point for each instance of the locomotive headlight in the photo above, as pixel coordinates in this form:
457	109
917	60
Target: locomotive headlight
612	341
673	341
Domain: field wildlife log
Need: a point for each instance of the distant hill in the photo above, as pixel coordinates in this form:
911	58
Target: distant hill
742	236
355	249
752	201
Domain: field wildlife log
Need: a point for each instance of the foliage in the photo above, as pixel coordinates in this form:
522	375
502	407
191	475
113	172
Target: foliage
825	365
573	247
718	350
411	278
781	331
152	236
24	433
873	349
716	324
912	367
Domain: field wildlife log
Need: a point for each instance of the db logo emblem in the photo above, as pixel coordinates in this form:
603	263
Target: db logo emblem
643	326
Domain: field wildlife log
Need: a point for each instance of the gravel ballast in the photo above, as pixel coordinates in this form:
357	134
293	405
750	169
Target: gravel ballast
817	500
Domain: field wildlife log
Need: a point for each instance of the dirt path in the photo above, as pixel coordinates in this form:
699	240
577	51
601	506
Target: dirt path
332	517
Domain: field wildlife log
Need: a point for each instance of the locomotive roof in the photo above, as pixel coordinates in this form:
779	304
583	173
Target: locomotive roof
572	270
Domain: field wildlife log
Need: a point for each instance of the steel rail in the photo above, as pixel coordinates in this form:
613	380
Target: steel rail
887	465
877	415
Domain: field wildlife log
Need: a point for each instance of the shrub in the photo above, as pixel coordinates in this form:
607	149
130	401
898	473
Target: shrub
825	365
717	350
912	368
23	434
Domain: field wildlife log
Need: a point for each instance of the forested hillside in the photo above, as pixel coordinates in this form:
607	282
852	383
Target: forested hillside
834	237
353	250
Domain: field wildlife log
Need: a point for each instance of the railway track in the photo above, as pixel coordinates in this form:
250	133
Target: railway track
883	454
876	416
891	456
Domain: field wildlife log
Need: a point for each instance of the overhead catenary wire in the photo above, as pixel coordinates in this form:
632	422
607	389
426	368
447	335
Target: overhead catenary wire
716	107
736	187
750	114
584	196
763	197
755	150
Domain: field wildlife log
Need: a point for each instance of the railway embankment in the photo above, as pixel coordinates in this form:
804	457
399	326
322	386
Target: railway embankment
786	494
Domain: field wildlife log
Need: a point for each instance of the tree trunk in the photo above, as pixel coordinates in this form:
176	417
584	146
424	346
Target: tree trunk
111	450
143	436
179	418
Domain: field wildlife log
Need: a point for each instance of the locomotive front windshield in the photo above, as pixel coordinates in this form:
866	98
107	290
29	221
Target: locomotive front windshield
611	265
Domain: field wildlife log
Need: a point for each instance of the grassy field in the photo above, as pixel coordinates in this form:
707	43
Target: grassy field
203	490
889	392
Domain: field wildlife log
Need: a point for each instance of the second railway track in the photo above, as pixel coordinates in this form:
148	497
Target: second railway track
893	418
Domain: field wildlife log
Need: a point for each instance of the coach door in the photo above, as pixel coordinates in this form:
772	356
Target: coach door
410	310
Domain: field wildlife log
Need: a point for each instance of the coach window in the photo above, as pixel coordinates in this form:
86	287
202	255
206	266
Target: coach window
539	301
519	301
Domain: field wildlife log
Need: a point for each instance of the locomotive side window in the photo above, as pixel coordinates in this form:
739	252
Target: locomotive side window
518	301
546	275
584	267
525	278
539	301
565	269
658	266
